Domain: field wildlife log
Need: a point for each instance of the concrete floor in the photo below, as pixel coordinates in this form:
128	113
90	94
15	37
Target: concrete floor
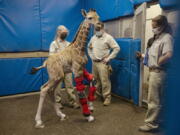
120	118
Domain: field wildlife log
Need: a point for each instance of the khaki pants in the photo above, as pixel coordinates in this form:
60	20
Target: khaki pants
155	96
69	88
101	74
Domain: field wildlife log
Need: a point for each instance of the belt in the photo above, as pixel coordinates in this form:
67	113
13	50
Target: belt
97	60
155	69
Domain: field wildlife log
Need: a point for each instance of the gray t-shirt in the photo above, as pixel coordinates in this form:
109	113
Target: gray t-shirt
57	46
160	46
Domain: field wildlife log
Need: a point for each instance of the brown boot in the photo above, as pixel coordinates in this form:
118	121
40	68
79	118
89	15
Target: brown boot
146	128
107	102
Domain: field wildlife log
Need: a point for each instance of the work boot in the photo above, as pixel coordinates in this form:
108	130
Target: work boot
107	102
146	128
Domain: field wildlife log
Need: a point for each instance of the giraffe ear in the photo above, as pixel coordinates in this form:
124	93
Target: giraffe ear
83	12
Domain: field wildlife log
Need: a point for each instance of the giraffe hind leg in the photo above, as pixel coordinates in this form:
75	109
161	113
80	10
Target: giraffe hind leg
51	94
43	92
44	89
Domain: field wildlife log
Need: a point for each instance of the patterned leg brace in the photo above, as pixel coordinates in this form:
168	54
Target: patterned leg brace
82	97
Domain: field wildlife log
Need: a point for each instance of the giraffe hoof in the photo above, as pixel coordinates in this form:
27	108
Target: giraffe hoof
39	124
63	117
90	118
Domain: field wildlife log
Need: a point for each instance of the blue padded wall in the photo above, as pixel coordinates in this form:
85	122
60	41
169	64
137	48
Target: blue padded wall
125	76
110	9
120	77
137	2
15	77
59	12
31	25
19	25
135	71
173	92
168	4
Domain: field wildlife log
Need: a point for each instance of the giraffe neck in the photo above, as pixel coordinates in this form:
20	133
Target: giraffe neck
81	37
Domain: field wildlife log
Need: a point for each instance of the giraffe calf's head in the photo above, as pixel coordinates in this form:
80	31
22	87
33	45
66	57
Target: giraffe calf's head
92	17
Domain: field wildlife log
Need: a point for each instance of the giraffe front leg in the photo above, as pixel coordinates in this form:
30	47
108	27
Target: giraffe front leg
80	87
58	112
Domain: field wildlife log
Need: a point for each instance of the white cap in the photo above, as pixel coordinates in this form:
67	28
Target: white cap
62	28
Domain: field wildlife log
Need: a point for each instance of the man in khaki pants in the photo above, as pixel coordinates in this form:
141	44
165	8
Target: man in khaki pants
158	53
56	46
99	50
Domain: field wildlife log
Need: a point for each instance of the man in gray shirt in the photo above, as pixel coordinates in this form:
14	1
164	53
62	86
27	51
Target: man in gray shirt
56	46
99	49
158	53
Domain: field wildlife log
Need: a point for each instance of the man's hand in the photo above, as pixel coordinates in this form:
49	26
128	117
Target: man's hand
138	55
105	60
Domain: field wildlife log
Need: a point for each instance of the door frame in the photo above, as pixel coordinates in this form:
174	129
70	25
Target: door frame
141	10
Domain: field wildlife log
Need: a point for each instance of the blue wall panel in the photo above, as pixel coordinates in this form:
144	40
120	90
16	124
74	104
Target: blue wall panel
19	25
125	44
15	77
173	92
168	4
31	25
137	2
59	12
135	71
120	77
110	9
125	76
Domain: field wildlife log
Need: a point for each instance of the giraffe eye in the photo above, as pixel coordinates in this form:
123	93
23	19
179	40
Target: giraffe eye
90	18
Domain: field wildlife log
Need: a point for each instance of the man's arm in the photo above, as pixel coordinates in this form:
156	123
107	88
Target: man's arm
163	59
167	50
90	52
113	45
52	48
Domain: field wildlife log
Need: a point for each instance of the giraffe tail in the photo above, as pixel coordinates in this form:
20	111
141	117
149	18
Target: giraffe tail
35	69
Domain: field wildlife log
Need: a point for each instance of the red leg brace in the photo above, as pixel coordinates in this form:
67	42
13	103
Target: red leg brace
87	75
82	97
92	89
91	96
